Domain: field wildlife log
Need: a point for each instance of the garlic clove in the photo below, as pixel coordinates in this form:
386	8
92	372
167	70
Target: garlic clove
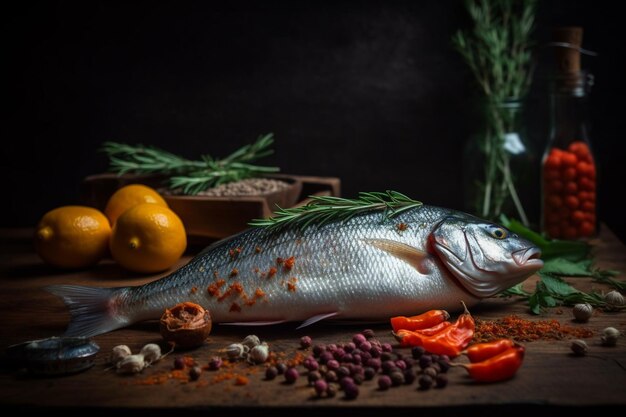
259	353
609	336
151	353
131	364
118	353
251	341
236	351
614	299
582	312
579	347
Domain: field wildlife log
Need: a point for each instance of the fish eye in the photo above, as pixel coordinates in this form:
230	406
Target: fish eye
498	232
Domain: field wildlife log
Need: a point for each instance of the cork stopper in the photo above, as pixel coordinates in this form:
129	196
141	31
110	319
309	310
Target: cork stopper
568	58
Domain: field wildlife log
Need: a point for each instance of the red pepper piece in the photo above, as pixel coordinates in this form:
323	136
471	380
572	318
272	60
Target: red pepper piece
450	341
483	351
497	368
422	321
431	331
415	337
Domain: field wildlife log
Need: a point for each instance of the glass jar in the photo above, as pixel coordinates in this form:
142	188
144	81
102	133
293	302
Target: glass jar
568	165
501	167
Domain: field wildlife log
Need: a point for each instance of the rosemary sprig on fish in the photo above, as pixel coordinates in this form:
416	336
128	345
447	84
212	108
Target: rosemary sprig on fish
325	209
371	258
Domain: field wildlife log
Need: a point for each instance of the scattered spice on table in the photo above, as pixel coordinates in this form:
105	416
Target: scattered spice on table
522	330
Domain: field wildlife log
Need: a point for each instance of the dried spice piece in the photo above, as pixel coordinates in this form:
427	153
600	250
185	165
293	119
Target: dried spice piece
186	325
402	227
522	330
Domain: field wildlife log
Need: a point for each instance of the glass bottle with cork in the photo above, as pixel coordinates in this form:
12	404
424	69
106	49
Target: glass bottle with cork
569	166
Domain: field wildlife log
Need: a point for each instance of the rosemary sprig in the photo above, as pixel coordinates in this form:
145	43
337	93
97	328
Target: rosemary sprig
498	49
324	209
191	177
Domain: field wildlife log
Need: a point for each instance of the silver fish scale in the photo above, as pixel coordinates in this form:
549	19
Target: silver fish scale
335	271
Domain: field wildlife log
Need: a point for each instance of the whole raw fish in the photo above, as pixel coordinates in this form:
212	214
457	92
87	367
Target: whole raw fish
366	268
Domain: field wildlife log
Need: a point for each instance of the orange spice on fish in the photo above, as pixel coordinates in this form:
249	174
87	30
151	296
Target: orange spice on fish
234	253
271	272
402	227
289	263
258	249
234	272
214	288
291	284
193	290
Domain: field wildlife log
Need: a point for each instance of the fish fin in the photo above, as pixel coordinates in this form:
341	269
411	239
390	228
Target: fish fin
91	308
315	319
253	323
421	260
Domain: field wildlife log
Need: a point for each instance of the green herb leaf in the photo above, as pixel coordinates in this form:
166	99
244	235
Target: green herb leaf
565	267
556	286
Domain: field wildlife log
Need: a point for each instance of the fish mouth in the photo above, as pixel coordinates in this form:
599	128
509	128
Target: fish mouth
528	257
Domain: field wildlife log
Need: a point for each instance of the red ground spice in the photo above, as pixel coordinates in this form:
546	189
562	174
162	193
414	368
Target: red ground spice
258	249
234	272
402	226
522	330
241	380
272	271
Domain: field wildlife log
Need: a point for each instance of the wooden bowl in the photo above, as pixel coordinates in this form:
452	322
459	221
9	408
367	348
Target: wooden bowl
208	218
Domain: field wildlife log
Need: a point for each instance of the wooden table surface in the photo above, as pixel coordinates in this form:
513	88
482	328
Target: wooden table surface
550	380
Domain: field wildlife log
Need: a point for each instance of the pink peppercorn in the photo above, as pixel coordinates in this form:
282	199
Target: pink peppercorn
215	363
291	375
358	339
306	342
320	387
384	382
332	365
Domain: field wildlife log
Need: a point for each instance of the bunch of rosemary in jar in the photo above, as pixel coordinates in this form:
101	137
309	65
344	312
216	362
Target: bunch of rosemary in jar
501	169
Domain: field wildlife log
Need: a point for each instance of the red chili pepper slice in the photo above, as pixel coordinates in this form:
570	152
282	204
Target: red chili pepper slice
483	351
423	321
450	341
497	368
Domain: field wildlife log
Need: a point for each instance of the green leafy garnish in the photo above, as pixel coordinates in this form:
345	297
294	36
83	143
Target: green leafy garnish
324	209
191	177
561	259
550	248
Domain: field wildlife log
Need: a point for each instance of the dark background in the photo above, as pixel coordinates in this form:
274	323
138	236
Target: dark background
371	92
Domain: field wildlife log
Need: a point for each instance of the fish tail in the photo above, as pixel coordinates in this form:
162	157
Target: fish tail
93	310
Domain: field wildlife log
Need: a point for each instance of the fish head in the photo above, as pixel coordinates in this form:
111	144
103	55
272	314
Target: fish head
485	257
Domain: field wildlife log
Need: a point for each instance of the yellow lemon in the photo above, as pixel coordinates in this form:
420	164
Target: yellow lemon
72	236
148	238
129	196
